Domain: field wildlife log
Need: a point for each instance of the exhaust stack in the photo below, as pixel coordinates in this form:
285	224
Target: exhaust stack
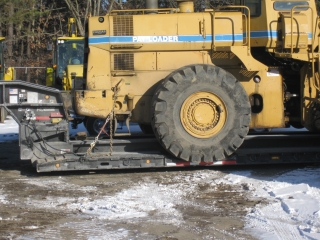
185	6
152	4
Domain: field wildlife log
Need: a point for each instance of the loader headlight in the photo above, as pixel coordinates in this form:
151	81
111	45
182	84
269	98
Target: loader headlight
101	19
257	79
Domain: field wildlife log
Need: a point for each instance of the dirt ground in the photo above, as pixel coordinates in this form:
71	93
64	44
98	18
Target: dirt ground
146	204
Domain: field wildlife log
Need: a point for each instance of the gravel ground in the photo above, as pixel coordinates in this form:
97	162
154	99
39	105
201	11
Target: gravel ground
165	204
148	204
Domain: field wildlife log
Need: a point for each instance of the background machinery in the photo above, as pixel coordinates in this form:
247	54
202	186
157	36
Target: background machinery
5	74
68	61
199	80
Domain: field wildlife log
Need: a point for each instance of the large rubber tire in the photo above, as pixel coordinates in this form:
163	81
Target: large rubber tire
146	128
208	134
296	125
93	126
260	130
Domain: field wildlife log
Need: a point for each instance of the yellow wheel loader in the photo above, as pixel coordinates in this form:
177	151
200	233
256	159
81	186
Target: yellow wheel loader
198	80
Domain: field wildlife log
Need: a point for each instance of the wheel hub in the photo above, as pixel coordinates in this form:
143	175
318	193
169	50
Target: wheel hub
98	124
203	114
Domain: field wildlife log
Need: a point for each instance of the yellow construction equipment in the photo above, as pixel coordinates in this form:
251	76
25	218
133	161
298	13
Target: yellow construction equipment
7	74
202	79
197	80
68	58
67	65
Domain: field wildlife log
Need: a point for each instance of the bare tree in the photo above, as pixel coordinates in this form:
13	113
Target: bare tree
81	10
75	10
10	31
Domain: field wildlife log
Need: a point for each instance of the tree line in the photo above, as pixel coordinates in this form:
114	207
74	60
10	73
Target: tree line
30	25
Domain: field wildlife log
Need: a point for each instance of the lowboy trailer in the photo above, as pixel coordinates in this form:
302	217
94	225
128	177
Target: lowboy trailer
44	139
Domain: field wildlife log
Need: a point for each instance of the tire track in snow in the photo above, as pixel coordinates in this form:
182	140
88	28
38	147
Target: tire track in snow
285	231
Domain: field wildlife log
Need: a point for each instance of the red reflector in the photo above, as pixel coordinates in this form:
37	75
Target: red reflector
206	163
182	164
229	162
42	118
56	115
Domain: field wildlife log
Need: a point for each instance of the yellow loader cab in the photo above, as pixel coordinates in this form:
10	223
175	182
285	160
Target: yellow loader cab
200	80
68	58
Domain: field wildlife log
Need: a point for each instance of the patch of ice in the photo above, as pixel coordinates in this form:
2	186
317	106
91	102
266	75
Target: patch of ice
136	202
30	227
3	198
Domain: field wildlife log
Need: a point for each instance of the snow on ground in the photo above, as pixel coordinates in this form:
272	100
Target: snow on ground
293	211
135	202
9	130
290	209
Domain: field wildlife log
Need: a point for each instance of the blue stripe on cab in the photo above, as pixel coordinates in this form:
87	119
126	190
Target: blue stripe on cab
98	40
262	34
153	39
183	38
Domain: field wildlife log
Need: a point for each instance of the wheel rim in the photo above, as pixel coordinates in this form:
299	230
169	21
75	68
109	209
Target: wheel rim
203	114
98	124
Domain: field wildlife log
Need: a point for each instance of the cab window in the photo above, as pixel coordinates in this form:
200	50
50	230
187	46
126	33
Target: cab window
253	5
287	6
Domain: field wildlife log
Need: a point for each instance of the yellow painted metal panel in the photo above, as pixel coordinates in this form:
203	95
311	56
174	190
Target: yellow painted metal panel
93	103
271	90
172	61
143	83
152	25
98	70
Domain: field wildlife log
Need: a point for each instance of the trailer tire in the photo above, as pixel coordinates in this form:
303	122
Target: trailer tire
146	128
93	126
200	113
